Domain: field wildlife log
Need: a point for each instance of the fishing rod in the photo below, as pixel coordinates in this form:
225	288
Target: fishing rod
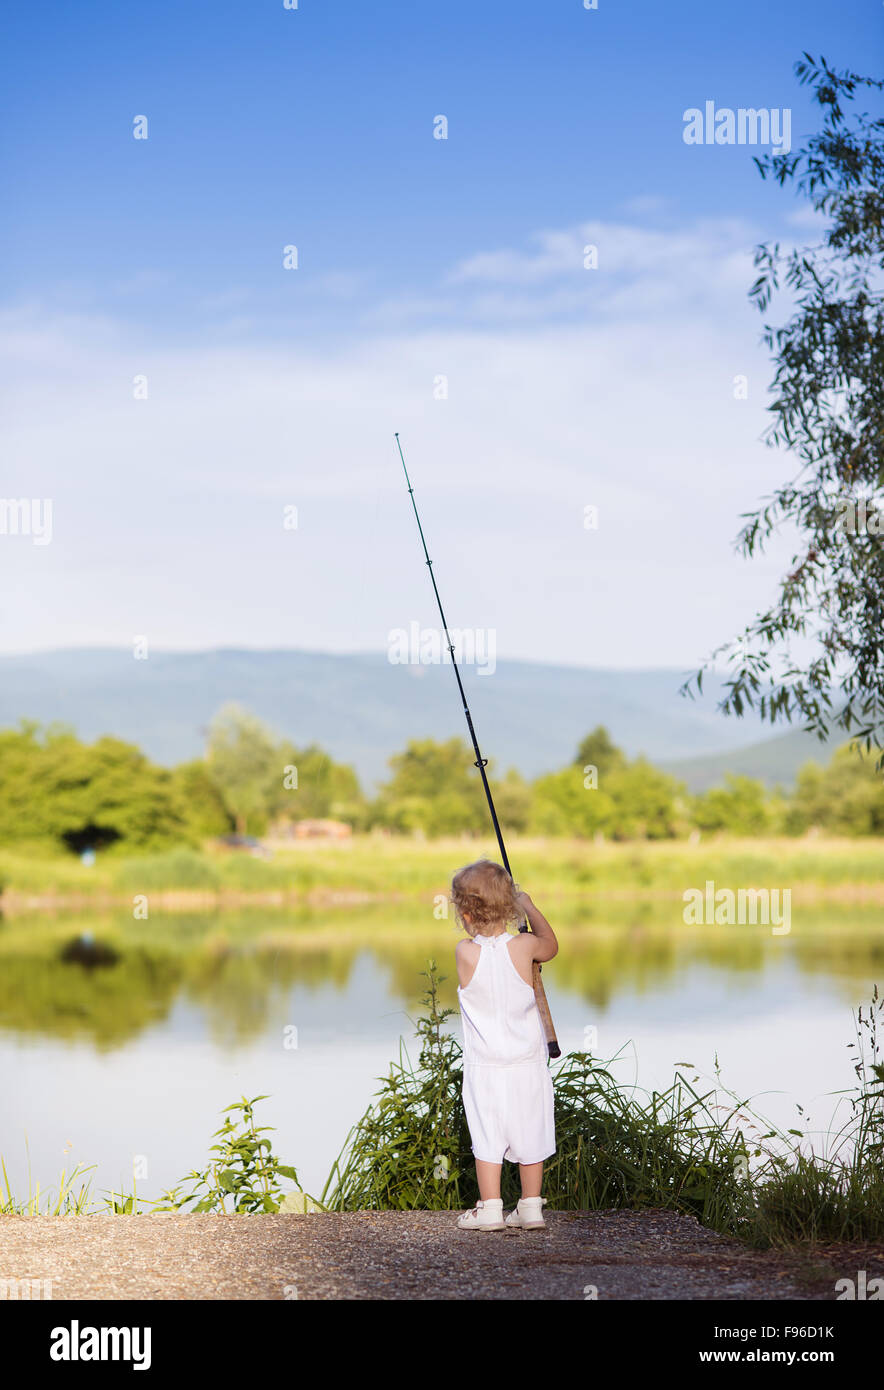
481	763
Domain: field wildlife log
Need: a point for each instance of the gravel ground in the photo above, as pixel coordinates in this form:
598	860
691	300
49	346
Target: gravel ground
409	1255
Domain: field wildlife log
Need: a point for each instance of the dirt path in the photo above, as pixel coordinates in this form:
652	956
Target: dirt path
406	1255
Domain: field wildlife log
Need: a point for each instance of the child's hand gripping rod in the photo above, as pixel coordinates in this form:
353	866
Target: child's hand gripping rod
481	763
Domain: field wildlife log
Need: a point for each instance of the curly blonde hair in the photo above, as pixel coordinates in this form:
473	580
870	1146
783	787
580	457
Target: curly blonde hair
486	892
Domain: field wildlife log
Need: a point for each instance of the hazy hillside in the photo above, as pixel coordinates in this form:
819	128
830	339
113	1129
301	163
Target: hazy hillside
360	707
775	761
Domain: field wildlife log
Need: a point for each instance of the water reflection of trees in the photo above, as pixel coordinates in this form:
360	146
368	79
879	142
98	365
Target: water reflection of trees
238	970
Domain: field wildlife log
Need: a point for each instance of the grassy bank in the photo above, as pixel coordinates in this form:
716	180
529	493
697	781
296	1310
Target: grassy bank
385	868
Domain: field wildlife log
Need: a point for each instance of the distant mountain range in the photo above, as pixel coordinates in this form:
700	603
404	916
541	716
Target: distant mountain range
774	761
361	708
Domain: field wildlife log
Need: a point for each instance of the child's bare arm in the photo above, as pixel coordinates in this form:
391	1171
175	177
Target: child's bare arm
542	936
466	956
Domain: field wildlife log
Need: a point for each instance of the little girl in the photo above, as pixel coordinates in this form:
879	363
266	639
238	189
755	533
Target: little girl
507	1089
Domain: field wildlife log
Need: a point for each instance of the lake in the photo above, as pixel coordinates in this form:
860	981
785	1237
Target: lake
132	1045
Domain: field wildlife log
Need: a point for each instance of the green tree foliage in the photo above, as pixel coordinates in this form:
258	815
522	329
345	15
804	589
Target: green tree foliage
563	805
614	797
204	803
434	789
55	788
322	789
512	798
598	750
263	778
60	792
649	802
845	798
828	410
742	807
243	759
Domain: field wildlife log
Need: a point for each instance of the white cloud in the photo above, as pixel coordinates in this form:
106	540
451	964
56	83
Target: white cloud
168	512
640	272
646	204
624	249
142	282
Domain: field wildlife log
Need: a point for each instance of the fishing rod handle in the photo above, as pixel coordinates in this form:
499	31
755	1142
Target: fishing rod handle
549	1028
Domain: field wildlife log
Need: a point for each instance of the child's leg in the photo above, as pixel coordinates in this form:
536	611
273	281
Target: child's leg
488	1175
531	1177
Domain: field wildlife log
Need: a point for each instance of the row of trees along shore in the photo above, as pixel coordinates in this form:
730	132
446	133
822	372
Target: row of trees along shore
62	793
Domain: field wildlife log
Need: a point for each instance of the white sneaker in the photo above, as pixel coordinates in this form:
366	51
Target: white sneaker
485	1216
528	1215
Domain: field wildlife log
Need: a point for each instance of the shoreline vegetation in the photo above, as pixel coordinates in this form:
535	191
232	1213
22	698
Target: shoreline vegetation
106	801
375	868
704	1153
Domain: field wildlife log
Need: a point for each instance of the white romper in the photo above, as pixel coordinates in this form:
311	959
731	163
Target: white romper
507	1088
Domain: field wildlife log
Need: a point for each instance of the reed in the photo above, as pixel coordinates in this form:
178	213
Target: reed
838	1195
703	1153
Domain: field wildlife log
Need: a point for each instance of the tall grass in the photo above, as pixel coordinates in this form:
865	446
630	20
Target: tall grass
411	1149
671	1149
71	1198
838	1195
676	1149
386	867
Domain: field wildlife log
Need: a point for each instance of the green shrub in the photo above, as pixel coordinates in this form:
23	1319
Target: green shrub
177	868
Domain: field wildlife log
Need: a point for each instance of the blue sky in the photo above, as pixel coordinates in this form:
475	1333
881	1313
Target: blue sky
419	259
314	126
